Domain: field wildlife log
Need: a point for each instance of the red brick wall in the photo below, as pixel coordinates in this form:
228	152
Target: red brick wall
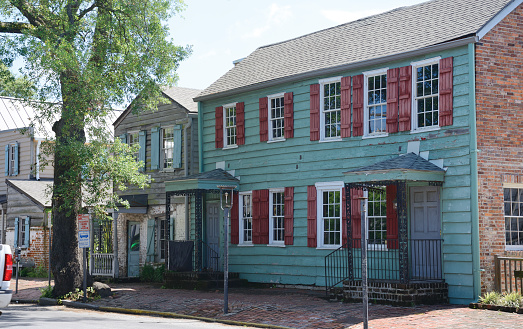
499	106
38	249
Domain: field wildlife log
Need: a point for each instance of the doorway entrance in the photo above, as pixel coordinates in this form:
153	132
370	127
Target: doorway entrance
213	235
133	249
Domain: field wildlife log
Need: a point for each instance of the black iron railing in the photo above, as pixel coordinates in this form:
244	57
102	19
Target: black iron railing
384	264
211	259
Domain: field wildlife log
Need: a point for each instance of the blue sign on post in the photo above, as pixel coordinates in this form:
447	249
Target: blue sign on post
84	239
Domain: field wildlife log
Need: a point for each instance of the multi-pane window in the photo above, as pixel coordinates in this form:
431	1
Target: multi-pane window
513	202
277	217
331	110
377	216
132	139
331	217
276	118
246	221
167	147
162	237
230	125
426	96
376	104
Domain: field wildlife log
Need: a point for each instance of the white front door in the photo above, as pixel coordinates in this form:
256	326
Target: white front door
425	233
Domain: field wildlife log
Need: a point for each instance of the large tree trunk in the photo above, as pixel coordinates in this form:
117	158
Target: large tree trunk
65	254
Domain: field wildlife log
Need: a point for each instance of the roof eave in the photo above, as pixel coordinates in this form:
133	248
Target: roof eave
465	40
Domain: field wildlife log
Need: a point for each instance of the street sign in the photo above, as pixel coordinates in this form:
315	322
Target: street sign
83	222
84	239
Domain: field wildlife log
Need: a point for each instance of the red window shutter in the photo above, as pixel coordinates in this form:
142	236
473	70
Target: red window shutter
345	107
392	218
392	100
315	112
256	216
356	194
235	220
445	91
357	90
311	216
343	217
240	123
289	215
264	217
288	112
405	98
264	119
218	127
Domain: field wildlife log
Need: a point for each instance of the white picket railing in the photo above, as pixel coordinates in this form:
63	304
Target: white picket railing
102	264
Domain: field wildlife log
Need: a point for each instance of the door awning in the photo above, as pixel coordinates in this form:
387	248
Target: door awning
209	180
408	167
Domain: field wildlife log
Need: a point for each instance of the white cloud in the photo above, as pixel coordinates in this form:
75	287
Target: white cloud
275	16
340	17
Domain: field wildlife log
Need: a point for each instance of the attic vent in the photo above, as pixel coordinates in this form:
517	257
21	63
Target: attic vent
237	61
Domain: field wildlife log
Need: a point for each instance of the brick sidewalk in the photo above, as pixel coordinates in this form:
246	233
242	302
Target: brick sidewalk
290	308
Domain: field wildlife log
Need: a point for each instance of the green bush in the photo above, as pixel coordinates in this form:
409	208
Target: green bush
78	294
47	292
33	272
149	273
513	299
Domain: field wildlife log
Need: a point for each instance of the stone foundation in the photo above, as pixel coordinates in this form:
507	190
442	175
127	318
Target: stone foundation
398	293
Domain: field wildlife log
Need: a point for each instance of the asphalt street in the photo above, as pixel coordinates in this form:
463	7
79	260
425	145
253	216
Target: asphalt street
52	317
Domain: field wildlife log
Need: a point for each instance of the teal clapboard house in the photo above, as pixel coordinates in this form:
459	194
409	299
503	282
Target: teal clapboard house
379	111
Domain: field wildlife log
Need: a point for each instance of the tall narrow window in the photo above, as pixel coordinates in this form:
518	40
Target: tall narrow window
376	105
276	118
513	202
246	218
230	125
377	216
426	100
329	215
276	221
167	147
331	109
12	159
133	139
162	238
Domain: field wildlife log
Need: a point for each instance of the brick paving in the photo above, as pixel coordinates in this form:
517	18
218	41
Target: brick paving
288	307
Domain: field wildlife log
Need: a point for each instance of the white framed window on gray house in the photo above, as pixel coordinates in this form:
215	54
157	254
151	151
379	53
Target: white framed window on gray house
425	100
229	125
245	220
377	217
329	214
276	217
167	147
375	103
22	234
161	238
330	109
513	213
133	139
11	159
276	117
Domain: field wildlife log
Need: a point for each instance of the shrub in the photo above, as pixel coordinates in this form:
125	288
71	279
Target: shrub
149	273
513	299
47	292
78	294
491	298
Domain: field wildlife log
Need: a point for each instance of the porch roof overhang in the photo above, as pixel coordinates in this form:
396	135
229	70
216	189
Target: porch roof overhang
210	180
405	167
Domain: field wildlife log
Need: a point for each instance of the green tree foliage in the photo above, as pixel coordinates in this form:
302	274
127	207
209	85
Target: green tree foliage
12	86
87	57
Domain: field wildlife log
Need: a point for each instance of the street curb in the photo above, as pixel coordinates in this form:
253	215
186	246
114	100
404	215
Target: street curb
23	301
166	315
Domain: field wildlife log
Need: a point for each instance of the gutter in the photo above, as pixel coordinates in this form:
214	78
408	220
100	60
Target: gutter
186	172
474	202
200	137
336	69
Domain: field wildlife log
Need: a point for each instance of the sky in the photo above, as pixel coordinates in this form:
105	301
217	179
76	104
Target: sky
222	31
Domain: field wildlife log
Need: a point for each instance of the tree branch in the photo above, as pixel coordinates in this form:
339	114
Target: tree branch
86	11
14	27
29	12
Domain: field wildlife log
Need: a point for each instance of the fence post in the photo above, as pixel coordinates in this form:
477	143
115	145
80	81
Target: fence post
497	275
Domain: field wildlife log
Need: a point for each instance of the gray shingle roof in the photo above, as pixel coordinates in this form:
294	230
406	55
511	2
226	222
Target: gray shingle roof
34	190
409	161
184	96
398	31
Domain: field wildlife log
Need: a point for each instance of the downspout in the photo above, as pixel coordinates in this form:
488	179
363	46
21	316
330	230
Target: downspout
200	137
37	174
474	175
186	173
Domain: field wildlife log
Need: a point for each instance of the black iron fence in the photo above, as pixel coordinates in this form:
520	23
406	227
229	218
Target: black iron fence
384	261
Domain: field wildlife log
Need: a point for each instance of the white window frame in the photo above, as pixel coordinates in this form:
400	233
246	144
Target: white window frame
131	133
163	149
366	114
322	83
241	219
511	186
226	144
271	119
320	188
414	112
273	242
375	246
